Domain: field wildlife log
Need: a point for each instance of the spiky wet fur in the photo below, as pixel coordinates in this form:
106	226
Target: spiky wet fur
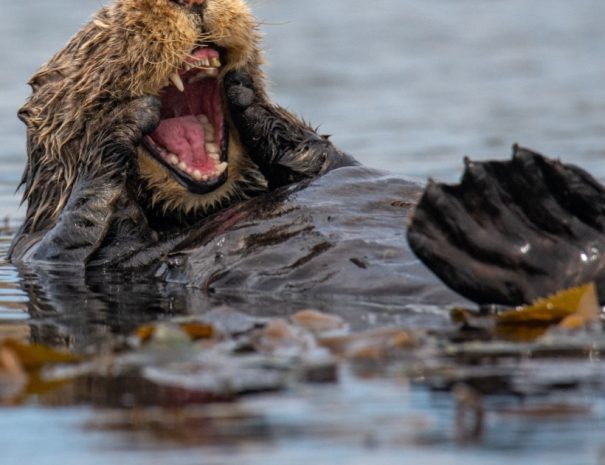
128	50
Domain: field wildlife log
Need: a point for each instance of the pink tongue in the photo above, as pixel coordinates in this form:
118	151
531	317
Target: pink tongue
183	136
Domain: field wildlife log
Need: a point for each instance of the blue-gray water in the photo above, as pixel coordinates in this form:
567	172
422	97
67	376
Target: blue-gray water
406	85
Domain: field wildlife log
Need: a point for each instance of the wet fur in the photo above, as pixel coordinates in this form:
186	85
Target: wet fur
128	50
94	101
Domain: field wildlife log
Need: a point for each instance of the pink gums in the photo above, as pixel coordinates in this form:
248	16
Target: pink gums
202	53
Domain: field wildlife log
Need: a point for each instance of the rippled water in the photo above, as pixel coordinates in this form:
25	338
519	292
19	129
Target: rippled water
406	85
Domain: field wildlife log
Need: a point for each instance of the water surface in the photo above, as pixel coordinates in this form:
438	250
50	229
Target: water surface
405	85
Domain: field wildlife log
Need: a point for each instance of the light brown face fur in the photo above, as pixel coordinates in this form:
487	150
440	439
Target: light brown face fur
128	50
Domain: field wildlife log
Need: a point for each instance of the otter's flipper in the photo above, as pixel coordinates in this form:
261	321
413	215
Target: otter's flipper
286	149
99	196
513	231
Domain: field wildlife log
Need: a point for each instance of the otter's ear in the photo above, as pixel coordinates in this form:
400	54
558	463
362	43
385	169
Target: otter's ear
513	231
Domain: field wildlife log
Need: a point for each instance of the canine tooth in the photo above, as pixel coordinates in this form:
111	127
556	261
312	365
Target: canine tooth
211	148
177	81
197	175
173	159
183	166
216	62
221	167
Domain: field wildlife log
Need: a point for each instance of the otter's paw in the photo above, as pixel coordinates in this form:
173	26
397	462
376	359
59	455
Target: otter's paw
137	118
253	119
239	89
513	231
120	132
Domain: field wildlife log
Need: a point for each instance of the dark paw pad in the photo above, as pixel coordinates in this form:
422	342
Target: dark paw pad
239	89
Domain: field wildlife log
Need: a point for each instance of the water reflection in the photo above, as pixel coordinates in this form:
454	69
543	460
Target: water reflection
405	85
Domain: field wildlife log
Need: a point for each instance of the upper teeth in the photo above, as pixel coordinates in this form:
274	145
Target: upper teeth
203	63
207	66
177	81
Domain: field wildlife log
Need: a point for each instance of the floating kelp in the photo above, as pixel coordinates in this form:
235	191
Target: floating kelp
21	368
580	303
572	309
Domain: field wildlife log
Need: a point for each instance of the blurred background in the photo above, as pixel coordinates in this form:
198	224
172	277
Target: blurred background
409	86
405	85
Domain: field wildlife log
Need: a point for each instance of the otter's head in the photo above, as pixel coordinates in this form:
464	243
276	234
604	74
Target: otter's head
178	50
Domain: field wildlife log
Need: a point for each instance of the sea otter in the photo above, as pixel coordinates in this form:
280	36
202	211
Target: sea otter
153	147
141	93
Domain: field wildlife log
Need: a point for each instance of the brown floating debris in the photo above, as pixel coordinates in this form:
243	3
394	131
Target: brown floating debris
13	377
198	330
376	344
21	366
280	337
317	321
192	329
34	357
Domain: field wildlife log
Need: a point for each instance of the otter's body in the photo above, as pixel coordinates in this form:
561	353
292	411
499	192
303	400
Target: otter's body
342	234
153	147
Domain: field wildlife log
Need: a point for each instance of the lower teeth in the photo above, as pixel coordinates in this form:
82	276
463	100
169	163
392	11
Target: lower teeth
212	152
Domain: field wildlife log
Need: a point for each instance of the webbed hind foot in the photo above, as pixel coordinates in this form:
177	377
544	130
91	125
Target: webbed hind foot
513	231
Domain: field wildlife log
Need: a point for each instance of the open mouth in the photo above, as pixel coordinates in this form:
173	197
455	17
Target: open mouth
192	137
